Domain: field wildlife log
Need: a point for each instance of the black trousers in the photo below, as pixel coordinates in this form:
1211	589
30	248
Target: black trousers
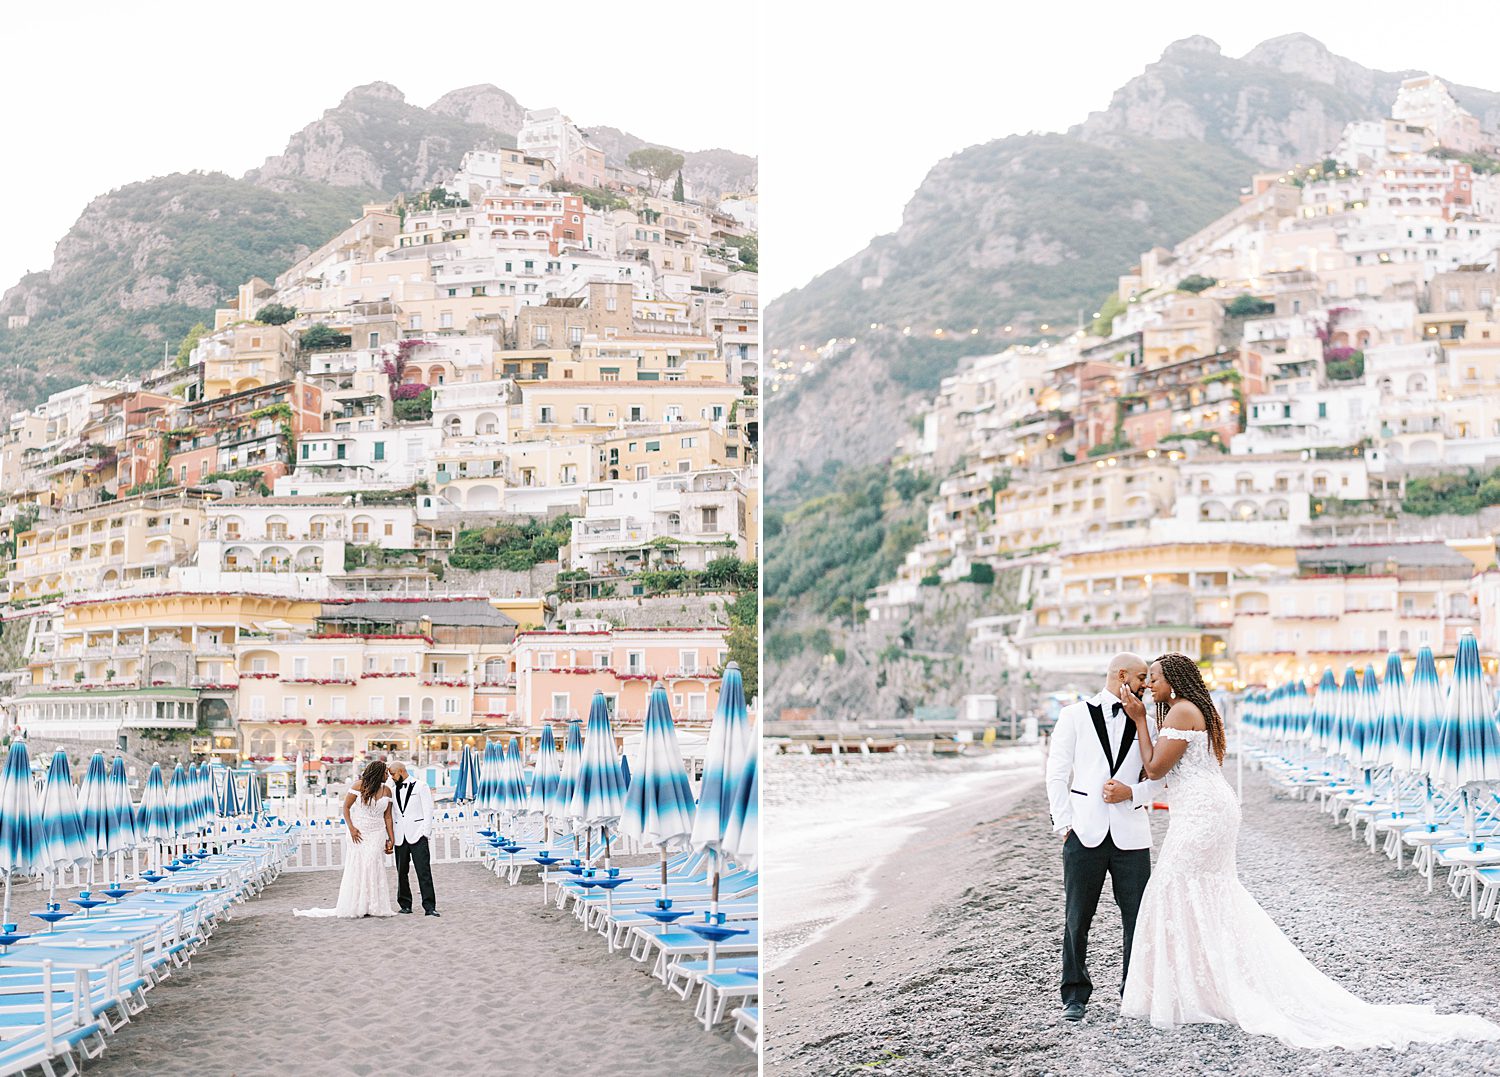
1083	881
419	854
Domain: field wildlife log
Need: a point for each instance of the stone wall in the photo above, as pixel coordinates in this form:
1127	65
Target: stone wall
667	611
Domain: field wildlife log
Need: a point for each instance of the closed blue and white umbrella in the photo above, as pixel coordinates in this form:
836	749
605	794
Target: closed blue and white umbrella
560	803
1323	718
93	806
742	835
62	829
659	800
20	820
1424	715
254	805
1367	724
599	795
229	804
466	781
153	818
490	789
1468	748
123	832
729	741
180	801
1346	716
512	778
544	776
1388	735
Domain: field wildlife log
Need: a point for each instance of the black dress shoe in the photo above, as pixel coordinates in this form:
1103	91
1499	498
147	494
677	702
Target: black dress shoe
1073	1011
433	912
406	911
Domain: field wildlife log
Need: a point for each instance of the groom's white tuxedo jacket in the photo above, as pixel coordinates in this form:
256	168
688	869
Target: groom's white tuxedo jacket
411	811
1095	740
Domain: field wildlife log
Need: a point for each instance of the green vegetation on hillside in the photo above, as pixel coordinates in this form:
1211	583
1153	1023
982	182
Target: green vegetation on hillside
516	547
828	553
1462	493
207	233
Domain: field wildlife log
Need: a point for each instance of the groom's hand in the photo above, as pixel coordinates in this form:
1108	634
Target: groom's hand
1116	792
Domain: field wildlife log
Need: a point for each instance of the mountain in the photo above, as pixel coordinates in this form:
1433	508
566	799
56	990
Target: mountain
1033	229
144	262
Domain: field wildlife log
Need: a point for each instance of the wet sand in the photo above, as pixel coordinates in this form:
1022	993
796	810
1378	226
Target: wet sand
953	965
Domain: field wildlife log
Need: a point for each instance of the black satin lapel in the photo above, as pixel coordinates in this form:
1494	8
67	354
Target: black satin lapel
1097	714
1127	738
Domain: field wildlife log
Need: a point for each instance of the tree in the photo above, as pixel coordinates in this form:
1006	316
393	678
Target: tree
657	162
743	649
318	336
276	314
1248	306
678	195
749	250
414	409
1195	283
189	342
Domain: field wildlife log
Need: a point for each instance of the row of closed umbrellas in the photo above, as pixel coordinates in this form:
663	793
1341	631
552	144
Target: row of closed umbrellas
1448	734
65	826
589	784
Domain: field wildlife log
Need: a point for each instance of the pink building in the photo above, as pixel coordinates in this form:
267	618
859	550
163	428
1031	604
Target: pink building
558	671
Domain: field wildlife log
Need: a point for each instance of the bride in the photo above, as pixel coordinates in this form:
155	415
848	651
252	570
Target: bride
365	890
1204	951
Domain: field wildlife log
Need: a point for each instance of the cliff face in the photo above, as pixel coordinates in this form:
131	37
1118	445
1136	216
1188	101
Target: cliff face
1033	229
144	262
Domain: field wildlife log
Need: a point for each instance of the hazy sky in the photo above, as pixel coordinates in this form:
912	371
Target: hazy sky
97	95
860	100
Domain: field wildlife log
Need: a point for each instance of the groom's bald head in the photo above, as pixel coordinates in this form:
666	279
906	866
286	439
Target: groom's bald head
397	768
1129	669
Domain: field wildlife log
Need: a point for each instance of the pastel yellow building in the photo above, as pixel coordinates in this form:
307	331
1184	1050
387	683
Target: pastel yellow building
1088	499
111	545
246	356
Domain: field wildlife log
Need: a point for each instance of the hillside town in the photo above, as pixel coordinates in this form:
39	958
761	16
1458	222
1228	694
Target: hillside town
491	448
1274	448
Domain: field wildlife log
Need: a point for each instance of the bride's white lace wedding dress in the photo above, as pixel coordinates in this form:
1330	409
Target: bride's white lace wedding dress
366	886
1206	952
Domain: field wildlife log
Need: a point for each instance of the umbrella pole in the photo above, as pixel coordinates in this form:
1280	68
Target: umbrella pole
663	871
7	897
604	832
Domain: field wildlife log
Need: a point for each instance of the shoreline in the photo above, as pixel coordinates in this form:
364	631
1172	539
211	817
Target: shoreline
953	965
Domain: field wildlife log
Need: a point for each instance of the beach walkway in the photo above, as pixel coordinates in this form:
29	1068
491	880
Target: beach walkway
497	984
953	966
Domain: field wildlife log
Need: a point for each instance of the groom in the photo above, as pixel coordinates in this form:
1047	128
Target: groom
1097	798
411	814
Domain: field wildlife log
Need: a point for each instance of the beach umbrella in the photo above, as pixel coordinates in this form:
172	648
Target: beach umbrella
180	801
1424	716
1346	716
254	805
561	800
1366	729
466	782
1389	733
62	828
742	835
123	833
1468	742
728	743
490	788
205	796
544	777
512	775
659	799
229	798
93	807
599	795
154	814
20	820
1320	728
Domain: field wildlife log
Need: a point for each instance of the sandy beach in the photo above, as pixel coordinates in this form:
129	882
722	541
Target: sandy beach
498	983
952	964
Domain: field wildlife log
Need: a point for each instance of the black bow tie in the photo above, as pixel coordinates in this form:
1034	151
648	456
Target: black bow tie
1117	709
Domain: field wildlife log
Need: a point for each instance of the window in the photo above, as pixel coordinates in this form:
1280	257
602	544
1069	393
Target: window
546	415
398	665
379	450
299	667
1322	409
575	334
339	666
688	443
653	446
560	705
403	706
545	660
539	333
687	661
377	707
289	706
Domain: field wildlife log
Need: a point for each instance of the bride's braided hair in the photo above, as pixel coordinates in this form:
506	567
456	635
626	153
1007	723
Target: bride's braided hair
1183	675
371	779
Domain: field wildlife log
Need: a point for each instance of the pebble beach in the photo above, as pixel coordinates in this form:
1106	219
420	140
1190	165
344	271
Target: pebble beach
951	965
499	983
